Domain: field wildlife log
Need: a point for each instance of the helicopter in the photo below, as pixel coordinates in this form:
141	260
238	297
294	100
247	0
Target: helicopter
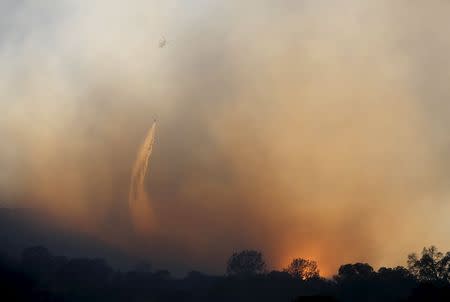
162	42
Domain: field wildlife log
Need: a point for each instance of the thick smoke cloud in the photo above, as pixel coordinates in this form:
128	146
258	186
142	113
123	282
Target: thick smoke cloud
308	128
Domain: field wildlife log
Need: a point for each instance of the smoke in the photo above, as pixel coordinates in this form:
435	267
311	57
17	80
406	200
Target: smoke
310	129
138	199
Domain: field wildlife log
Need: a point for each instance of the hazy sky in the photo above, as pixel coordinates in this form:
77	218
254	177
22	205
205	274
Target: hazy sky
310	128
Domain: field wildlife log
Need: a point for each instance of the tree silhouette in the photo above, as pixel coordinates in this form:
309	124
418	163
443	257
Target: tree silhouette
303	269
247	262
41	276
354	271
432	266
396	273
38	261
142	267
84	273
444	267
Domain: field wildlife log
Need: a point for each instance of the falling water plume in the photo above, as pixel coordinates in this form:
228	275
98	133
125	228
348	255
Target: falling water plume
138	200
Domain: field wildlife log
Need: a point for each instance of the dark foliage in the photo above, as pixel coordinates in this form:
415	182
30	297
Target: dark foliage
41	276
247	262
432	266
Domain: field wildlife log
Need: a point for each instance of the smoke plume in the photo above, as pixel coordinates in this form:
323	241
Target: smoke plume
312	128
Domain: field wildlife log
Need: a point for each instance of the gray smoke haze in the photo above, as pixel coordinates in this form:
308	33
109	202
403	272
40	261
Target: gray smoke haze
309	128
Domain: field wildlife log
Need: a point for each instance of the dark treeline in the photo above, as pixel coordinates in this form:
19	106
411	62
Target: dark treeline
40	276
